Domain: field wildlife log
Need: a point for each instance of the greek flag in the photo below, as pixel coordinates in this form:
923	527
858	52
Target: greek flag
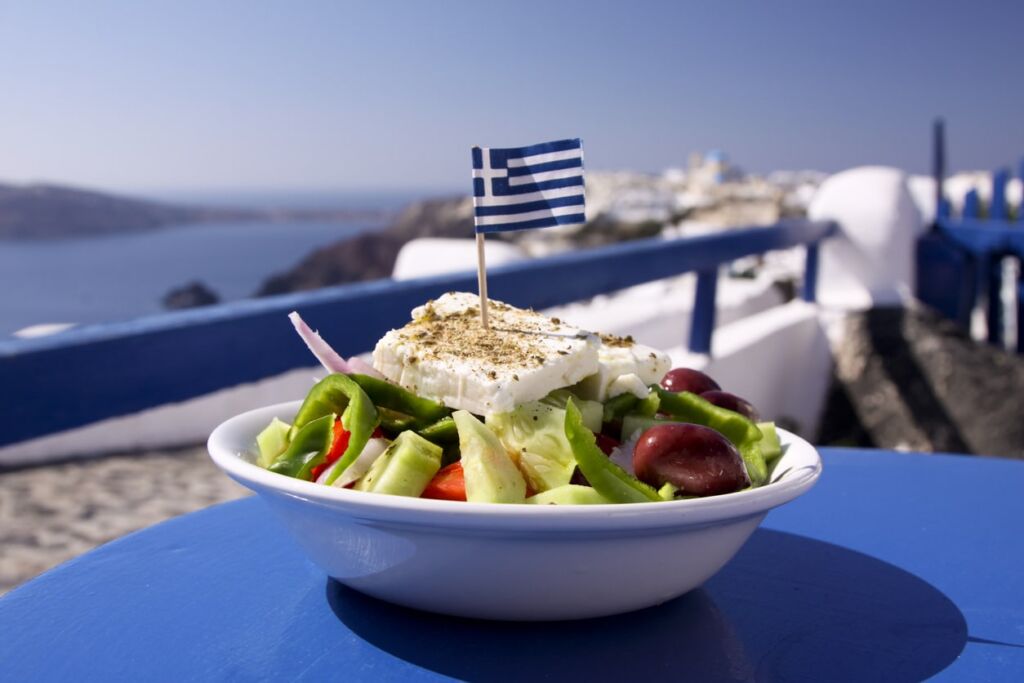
528	187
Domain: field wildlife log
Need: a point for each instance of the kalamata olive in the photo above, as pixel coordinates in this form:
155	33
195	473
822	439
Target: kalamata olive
687	379
698	460
723	399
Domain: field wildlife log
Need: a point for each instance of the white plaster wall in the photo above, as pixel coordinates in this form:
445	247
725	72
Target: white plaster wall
922	191
435	256
658	313
871	261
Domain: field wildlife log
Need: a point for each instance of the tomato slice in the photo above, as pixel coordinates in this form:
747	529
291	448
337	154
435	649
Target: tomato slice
338	447
447	484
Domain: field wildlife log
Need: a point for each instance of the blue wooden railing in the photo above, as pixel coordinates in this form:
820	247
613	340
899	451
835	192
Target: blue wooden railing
87	374
960	261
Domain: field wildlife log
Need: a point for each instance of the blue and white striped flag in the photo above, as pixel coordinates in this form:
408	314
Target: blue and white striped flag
528	187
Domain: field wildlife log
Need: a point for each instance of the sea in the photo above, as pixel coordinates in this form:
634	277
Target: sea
122	277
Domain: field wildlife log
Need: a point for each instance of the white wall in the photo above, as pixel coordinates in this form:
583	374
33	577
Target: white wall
658	313
871	261
778	359
435	256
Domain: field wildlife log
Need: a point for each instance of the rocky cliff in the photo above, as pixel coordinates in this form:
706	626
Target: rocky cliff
372	256
46	212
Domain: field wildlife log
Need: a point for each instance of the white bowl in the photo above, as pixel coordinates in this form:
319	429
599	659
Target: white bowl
517	562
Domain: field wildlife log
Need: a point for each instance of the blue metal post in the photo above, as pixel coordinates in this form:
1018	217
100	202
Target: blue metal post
1020	307
810	273
997	210
972	205
939	166
946	277
1020	207
702	322
994	306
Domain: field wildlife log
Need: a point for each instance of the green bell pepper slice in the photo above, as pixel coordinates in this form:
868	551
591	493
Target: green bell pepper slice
384	394
339	394
743	433
771	447
687	407
607	478
443	432
393	423
307	449
617	406
753	458
648	407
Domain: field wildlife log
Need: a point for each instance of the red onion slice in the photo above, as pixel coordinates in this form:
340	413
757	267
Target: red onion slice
327	356
360	366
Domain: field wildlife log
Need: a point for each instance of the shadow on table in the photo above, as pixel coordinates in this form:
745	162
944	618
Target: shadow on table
786	608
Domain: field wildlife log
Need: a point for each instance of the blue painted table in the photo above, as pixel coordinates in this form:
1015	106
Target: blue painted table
895	567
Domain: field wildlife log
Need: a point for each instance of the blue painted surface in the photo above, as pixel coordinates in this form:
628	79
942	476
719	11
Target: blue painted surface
895	567
1020	314
984	237
810	286
998	209
91	373
994	322
972	205
946	277
981	241
988	241
939	166
702	324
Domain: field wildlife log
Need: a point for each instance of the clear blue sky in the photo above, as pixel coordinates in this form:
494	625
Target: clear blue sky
189	95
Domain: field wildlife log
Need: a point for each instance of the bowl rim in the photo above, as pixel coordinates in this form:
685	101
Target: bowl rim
787	485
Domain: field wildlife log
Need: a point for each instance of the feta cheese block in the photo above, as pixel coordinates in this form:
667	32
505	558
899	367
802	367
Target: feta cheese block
445	354
623	367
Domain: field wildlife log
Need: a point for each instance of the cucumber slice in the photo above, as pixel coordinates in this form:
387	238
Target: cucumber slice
570	494
631	424
405	468
668	491
491	476
272	441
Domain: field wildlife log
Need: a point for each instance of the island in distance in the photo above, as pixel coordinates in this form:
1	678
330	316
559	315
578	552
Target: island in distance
49	212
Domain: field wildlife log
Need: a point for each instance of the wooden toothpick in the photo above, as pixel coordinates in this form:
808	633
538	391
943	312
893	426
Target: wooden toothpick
481	276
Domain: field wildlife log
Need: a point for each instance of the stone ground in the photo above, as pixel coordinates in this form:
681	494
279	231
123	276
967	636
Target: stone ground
51	513
907	379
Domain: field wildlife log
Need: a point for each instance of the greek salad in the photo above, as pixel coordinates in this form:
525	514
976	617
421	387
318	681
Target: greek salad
532	411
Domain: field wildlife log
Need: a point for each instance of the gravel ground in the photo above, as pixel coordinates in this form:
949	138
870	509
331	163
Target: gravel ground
52	513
